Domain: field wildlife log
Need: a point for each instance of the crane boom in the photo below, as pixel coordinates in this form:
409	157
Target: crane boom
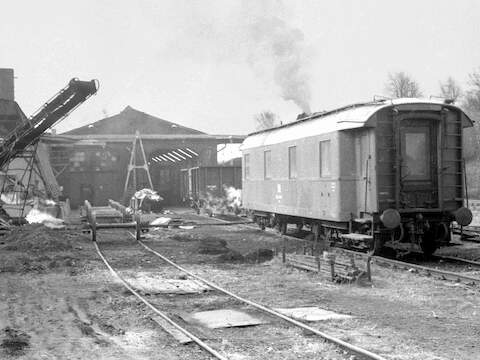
54	110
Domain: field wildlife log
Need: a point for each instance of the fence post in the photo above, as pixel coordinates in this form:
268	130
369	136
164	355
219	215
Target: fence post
332	268
93	225
369	271
138	227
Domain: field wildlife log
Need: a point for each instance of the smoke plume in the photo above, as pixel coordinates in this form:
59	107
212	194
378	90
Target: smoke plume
284	48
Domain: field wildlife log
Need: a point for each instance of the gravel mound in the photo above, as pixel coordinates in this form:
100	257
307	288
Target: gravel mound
259	256
36	238
213	246
231	256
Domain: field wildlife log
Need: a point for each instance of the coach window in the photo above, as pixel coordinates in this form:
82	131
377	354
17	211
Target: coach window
416	153
325	168
292	162
267	164
246	166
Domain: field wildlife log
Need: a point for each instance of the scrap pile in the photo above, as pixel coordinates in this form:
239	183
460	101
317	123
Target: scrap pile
145	200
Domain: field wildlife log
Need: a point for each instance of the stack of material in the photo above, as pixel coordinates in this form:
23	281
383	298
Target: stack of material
338	267
105	214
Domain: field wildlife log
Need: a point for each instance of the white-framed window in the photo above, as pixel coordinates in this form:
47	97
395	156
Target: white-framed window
246	166
292	162
325	158
267	164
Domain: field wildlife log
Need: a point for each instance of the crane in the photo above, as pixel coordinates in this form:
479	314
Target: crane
54	110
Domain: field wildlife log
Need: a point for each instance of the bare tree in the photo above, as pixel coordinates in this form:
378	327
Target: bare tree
265	120
471	104
471	136
400	85
450	89
472	97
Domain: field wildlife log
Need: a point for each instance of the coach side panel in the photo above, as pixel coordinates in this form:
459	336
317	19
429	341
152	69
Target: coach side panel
311	177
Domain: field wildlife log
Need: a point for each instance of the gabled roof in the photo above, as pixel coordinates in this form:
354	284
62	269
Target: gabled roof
345	118
130	120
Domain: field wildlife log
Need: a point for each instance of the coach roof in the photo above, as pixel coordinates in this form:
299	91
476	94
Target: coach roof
345	118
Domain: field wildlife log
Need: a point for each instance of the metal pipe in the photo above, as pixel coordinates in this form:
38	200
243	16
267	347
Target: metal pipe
164	158
191	151
179	155
169	158
185	153
175	157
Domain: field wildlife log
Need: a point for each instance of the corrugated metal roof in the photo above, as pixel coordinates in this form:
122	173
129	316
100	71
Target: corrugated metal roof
345	118
130	120
174	137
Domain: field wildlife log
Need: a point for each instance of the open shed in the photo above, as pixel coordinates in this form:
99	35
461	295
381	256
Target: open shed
91	162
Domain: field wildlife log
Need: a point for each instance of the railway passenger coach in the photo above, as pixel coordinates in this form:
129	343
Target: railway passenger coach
384	173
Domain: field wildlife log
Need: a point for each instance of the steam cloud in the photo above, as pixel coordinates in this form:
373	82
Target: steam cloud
284	46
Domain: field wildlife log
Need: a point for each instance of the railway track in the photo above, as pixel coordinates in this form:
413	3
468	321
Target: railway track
358	352
164	316
420	269
409	266
456	259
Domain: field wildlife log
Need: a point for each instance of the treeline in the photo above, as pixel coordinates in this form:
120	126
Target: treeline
400	84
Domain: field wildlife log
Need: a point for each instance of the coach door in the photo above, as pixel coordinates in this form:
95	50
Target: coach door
418	163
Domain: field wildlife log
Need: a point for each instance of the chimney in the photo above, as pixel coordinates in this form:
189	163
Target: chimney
6	84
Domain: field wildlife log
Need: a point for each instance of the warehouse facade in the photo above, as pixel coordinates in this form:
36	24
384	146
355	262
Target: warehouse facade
91	162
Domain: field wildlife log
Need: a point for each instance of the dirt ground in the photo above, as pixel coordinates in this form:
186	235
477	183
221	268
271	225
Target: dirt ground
58	301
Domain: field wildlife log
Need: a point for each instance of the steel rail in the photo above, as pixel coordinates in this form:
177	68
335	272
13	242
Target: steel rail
457	259
199	342
343	344
444	275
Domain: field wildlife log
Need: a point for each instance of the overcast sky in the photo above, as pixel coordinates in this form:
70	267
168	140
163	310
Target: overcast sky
212	65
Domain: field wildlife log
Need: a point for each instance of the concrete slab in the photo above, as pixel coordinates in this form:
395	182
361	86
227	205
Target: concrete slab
177	334
223	318
152	284
312	313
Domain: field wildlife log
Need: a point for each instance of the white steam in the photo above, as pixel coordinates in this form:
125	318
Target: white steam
280	45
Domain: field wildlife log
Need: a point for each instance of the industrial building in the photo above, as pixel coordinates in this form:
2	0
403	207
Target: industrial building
92	162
